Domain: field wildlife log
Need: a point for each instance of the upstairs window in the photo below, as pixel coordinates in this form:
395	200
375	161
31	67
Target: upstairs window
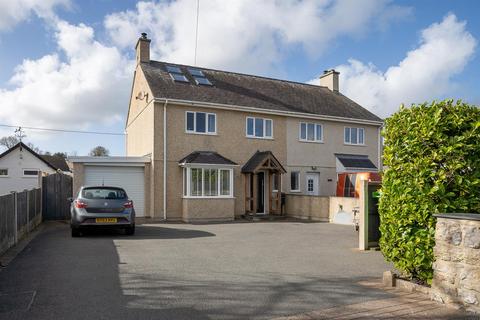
201	122
3	172
176	74
354	136
311	132
259	128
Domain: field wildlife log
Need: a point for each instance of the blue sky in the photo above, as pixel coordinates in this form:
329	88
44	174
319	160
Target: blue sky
68	64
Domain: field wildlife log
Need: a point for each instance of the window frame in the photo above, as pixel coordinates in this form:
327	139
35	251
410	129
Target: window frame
350	129
264	122
298	181
187	179
30	175
207	114
315	129
5	175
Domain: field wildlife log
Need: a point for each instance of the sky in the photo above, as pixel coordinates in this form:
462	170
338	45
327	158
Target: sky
68	64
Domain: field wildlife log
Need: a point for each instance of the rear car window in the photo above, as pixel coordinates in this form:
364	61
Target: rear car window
103	193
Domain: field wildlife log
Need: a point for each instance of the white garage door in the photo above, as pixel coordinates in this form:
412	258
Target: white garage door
129	178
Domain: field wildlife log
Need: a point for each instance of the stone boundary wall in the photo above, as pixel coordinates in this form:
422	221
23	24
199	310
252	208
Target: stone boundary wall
456	277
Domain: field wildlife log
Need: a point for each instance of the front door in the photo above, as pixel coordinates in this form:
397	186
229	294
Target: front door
261	192
312	179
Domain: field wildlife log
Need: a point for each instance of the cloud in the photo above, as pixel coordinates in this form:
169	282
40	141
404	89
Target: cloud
425	73
89	85
14	11
247	35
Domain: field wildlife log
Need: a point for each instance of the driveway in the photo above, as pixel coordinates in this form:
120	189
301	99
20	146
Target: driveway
179	271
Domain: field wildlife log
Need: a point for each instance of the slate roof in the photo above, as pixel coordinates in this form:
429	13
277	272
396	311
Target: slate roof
257	159
206	157
58	162
355	161
253	91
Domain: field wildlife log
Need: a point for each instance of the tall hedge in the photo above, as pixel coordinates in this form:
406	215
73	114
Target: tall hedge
432	159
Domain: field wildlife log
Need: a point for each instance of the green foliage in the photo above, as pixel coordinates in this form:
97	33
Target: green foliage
432	159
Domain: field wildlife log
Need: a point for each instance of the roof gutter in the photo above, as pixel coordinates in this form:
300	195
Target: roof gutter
267	111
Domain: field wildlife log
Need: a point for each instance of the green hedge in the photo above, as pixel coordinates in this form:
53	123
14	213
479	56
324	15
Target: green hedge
432	159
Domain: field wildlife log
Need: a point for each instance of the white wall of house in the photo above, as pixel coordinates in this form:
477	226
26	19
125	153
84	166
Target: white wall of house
16	162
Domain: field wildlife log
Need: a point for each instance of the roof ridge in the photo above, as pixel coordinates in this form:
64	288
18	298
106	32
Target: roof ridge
238	73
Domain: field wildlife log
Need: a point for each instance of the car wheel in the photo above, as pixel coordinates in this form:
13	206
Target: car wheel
75	233
130	231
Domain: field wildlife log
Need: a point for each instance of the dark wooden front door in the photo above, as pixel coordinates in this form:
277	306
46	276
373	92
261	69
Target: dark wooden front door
261	192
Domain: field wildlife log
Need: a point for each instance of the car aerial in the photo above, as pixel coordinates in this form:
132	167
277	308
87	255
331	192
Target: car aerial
100	206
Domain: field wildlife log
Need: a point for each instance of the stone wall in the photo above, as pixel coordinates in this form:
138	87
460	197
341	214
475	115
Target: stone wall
456	278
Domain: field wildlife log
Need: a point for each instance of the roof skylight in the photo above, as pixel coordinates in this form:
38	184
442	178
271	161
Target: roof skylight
203	81
173	69
179	77
196	72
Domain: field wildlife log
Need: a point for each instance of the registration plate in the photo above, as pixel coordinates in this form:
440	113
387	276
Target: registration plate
106	220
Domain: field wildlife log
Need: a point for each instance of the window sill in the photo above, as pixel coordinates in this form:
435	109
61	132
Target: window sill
202	133
354	145
261	138
209	197
306	141
296	191
30	177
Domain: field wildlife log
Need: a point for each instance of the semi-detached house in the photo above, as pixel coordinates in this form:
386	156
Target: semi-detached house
215	145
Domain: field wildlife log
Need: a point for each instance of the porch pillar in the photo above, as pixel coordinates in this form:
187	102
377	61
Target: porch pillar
254	195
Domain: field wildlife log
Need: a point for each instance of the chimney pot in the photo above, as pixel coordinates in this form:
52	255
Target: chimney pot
143	49
330	79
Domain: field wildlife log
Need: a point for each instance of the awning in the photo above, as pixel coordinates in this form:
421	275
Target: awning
205	158
354	163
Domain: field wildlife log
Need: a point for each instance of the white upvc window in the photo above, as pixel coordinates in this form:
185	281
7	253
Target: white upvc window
310	132
355	136
3	172
295	181
259	128
207	182
200	122
30	173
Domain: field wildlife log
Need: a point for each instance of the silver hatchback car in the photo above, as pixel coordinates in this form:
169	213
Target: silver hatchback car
100	206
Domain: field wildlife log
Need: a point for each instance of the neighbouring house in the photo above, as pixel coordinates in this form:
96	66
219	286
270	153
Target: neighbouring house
215	145
20	167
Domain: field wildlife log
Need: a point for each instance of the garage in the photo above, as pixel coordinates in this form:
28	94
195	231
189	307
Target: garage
125	172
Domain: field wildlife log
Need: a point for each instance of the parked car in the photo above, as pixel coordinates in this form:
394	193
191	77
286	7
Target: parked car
100	206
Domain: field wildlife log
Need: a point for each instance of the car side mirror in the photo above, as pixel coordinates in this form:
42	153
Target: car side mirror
70	199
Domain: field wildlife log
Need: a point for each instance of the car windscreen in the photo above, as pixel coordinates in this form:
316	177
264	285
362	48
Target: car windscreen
103	193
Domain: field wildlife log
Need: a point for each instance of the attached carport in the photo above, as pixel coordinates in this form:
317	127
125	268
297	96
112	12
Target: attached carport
129	173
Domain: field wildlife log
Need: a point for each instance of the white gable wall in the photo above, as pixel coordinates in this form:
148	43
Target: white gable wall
16	161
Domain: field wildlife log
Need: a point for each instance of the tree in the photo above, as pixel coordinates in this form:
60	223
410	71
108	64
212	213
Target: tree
62	155
99	151
9	141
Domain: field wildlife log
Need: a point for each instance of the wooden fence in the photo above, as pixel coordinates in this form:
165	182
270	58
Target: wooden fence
20	213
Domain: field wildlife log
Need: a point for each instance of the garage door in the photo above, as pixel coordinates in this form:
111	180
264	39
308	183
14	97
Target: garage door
129	178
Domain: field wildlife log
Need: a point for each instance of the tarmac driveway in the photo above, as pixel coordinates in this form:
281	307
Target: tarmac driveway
179	271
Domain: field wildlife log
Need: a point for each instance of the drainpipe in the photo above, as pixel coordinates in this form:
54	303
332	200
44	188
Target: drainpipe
165	160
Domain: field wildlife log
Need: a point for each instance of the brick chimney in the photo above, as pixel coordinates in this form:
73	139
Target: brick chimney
329	79
143	49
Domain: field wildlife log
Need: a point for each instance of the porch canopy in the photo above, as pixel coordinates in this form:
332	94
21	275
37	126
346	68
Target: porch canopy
263	165
207	158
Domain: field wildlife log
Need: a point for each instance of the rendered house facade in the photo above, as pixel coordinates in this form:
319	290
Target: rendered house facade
224	144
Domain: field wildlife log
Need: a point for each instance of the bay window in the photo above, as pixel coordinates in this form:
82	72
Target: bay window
208	182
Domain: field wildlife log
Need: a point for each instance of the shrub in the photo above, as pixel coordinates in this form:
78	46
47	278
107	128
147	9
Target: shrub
432	159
